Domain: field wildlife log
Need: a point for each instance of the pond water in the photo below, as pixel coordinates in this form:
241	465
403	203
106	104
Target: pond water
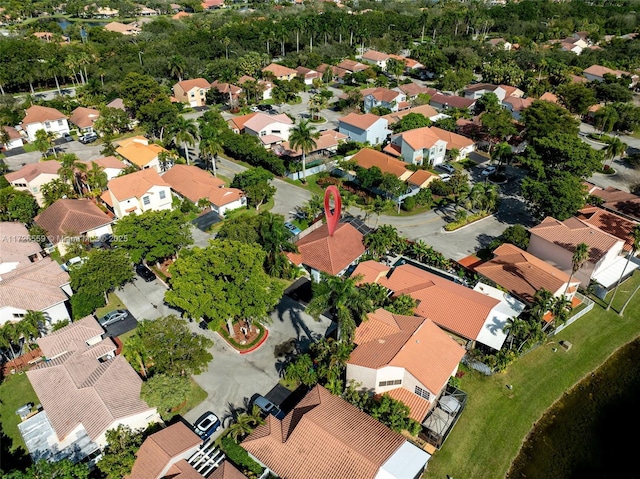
592	432
64	23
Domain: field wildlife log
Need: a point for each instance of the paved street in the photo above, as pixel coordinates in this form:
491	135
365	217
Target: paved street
287	197
84	152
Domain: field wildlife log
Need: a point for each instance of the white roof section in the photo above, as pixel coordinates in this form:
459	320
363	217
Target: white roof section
610	275
407	461
492	333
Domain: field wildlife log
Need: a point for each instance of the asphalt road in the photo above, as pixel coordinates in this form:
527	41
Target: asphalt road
84	152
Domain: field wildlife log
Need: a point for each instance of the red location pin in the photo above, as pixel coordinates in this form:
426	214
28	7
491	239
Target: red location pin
332	218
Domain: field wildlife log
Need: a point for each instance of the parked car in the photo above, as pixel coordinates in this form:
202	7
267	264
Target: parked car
67	137
145	273
445	177
267	407
447	167
206	425
489	170
295	231
54	151
88	138
75	261
113	317
264	107
254	109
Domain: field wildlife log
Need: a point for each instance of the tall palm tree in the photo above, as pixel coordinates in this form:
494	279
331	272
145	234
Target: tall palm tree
177	66
303	136
185	132
615	147
135	352
31	327
44	141
580	256
96	179
513	329
8	337
71	169
635	234
341	297
210	148
560	308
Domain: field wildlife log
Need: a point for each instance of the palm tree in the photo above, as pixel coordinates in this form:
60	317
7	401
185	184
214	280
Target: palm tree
96	179
379	206
185	132
560	308
380	241
7	337
134	351
241	427
513	329
31	326
44	141
5	138
177	66
210	148
635	234
70	170
541	303
580	256
341	297
303	137
615	147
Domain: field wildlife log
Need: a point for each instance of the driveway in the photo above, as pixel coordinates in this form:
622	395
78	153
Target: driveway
287	197
121	327
145	300
233	379
84	152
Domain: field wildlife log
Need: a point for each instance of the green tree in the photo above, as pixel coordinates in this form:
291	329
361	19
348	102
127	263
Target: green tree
135	353
46	469
577	97
71	170
223	282
137	90
559	195
498	125
158	116
489	102
382	240
543	118
96	179
173	349
403	305
104	271
112	121
165	392
120	452
516	235
302	371
55	190
580	256
176	66
185	132
245	423
255	183
411	122
17	205
615	147
635	245
44	140
153	235
303	136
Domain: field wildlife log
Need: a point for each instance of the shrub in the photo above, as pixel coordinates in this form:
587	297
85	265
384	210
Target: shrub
238	456
83	304
409	203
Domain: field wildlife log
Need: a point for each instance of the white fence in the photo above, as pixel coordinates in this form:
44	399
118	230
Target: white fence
589	306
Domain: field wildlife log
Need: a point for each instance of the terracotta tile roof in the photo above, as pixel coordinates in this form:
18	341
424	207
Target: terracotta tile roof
194	183
420	138
352	66
452	306
413	89
139	153
117	103
225	88
619	201
427	110
361	121
337	71
260	121
227	471
76	388
610	223
600	71
107	162
84	117
238	122
370	270
578	79
71	217
568	234
188	85
366	158
40	114
382	94
182	470
481	87
375	56
518	104
245	78
53	345
136	184
161	449
453	139
418	406
331	254
327	139
511	91
33	170
180	15
550	97
16	251
452	101
305	72
13	133
422	178
33	286
118	27
470	261
521	273
413	343
393	150
324	437
279	70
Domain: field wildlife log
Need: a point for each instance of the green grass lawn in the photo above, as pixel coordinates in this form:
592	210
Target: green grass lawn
29	147
113	304
311	185
195	397
496	420
15	391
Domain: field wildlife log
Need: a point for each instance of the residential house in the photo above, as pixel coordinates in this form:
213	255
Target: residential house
139	152
192	92
512	91
146	11
69	221
308	75
44	118
337	72
368	158
384	98
463	144
123	28
265	86
550	97
117	103
426	110
144	190
83	119
351	66
442	102
421	146
412	90
609	222
181	15
85	389
33	176
326	144
29	279
597	73
471	316
617	201
409	63
477	90
270	129
500	43
103	12
325	437
159	453
319	252
109	164
516	106
523	274
421	179
236	123
15	138
374	57
408	358
212	4
366	128
195	184
280	72
230	93
555	242
226	471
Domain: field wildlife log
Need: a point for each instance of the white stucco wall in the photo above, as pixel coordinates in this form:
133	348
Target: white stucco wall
57	126
34	186
138	421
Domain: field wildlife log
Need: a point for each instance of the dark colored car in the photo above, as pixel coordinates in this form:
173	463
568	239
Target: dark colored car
206	425
145	273
67	137
265	107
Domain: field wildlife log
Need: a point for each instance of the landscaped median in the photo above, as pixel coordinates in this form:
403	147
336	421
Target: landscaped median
467	220
248	346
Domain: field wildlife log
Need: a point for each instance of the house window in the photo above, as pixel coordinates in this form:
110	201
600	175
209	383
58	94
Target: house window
192	94
59	122
163	195
275	132
47	124
146	200
20	185
18	315
423	393
393	382
33	258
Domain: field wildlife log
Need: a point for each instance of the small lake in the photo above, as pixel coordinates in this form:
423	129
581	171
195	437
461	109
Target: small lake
592	432
64	23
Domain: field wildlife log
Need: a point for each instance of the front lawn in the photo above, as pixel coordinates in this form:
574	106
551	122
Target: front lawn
496	420
196	396
114	303
311	185
15	391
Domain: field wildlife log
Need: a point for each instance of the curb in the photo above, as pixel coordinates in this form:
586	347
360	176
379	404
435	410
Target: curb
256	346
468	224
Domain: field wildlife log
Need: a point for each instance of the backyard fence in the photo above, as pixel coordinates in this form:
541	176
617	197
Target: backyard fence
588	307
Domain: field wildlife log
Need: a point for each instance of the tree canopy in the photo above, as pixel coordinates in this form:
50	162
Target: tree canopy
543	118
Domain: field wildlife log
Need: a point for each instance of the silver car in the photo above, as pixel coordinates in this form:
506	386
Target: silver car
113	317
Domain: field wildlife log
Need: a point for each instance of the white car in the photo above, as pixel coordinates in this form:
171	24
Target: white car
489	170
254	109
76	261
445	177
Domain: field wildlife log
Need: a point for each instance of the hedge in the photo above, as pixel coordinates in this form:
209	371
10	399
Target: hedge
248	149
238	456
